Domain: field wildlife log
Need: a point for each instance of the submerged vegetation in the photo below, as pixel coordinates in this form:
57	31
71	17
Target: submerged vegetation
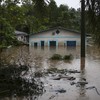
59	57
68	57
56	57
14	82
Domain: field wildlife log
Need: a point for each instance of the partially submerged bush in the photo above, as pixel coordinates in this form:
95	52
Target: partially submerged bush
56	57
38	74
68	57
59	57
13	82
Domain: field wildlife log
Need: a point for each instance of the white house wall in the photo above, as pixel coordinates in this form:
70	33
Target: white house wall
21	38
60	38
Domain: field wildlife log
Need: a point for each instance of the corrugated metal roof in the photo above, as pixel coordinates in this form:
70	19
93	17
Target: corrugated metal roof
20	33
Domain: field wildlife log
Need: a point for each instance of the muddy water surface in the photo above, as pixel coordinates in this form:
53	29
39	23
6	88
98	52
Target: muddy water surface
38	59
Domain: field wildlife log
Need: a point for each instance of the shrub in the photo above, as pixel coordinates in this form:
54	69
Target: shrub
68	57
13	82
56	57
59	57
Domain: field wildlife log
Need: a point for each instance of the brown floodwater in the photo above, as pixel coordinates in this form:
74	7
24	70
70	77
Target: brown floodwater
38	59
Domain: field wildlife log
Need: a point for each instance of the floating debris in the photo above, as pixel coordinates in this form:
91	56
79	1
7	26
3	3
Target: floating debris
62	71
72	83
71	78
52	97
61	91
67	77
73	71
80	83
57	78
93	87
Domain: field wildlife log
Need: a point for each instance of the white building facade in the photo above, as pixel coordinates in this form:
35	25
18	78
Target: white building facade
21	36
55	37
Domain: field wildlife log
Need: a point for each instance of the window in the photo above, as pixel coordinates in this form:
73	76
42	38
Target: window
71	43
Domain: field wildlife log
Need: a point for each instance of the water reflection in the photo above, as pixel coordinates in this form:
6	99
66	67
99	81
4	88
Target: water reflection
93	52
53	48
16	55
82	87
24	53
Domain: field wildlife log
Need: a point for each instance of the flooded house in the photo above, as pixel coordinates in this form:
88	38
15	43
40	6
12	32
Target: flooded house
55	37
21	36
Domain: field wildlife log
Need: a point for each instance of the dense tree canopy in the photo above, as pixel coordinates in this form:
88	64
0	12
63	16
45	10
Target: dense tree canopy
35	15
93	19
5	32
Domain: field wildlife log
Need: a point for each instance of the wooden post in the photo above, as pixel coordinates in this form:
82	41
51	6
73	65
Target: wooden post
82	34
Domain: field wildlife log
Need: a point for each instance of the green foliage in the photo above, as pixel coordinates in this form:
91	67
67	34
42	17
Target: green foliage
6	33
40	16
68	57
56	57
93	19
40	8
59	57
13	82
10	17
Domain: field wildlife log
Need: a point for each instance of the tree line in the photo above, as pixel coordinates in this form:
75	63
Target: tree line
32	16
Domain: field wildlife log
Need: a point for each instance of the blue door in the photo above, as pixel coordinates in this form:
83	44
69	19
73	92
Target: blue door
71	43
42	43
35	44
52	43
